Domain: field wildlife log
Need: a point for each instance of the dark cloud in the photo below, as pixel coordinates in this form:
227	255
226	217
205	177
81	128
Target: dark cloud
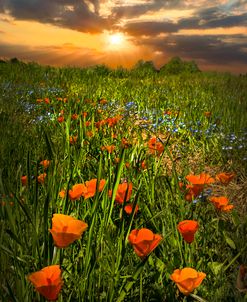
133	11
226	21
150	28
206	19
73	14
208	48
211	18
77	15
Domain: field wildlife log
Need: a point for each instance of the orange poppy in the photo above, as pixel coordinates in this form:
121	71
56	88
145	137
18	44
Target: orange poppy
48	281
168	112
127	165
91	187
129	209
187	229
124	192
99	124
187	279
66	229
144	241
221	203
193	191
112	121
181	186
143	165
125	143
45	163
103	101
41	178
225	178
89	133
117	160
62	193
46	100
207	113
74	116
201	179
109	149
60	119
77	191
155	147
24	180
73	139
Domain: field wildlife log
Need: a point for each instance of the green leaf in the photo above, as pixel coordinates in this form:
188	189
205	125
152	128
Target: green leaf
216	267
235	218
229	241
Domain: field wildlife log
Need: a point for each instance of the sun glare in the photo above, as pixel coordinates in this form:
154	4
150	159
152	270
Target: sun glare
116	39
117	43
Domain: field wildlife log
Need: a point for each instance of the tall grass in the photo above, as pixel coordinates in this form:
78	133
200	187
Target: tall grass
102	265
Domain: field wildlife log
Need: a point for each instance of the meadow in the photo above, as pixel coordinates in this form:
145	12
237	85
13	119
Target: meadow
120	185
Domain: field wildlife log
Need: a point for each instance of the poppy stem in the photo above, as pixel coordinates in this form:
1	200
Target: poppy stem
141	287
60	257
197	298
54	255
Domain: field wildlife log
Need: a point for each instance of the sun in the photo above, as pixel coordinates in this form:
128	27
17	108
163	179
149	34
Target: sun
116	42
116	39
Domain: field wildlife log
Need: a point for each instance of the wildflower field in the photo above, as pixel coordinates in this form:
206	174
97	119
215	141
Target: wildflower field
122	185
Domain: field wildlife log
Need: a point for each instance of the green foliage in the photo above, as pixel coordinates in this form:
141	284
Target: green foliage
144	69
176	66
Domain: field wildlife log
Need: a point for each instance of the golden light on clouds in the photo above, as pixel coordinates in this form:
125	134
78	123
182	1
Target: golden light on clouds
164	15
39	34
235	30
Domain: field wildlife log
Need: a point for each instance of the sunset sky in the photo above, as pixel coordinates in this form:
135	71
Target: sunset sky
120	32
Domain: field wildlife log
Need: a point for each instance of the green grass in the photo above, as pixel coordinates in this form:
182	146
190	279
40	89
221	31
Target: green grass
102	265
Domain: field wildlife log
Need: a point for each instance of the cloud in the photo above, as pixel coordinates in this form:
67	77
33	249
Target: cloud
206	19
83	15
150	28
206	49
73	14
130	11
211	18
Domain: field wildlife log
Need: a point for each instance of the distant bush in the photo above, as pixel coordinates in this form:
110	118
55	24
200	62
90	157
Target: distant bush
100	69
178	66
144	68
120	72
14	61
